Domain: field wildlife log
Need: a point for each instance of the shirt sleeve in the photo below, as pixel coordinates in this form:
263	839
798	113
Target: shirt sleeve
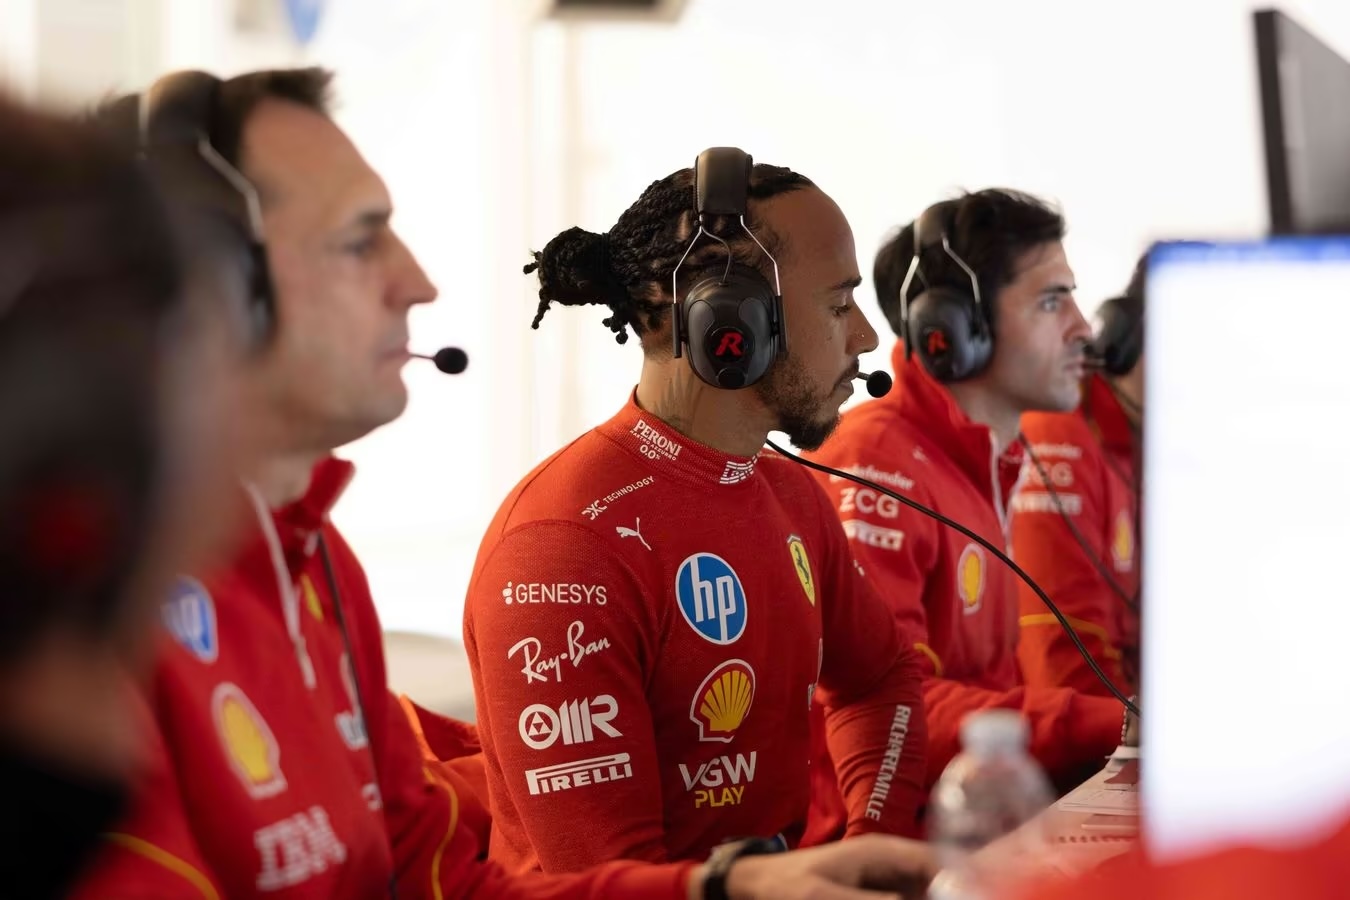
871	690
560	688
1044	545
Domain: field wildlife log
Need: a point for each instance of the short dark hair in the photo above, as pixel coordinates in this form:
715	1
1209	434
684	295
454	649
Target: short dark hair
629	268
989	229
91	278
239	96
234	102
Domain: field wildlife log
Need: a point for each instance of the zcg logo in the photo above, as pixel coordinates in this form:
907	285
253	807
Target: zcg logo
867	502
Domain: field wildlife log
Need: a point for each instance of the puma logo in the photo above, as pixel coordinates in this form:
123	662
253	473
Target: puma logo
635	531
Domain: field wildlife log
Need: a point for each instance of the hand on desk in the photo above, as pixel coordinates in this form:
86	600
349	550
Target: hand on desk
870	866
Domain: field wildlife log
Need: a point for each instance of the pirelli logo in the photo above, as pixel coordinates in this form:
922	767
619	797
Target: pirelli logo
565	776
873	535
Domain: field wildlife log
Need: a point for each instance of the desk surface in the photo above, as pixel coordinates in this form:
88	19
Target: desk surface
1055	844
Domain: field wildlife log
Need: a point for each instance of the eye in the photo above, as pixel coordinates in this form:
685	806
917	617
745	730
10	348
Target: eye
842	310
1051	302
360	249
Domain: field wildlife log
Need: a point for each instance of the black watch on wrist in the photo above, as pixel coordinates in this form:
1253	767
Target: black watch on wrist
724	857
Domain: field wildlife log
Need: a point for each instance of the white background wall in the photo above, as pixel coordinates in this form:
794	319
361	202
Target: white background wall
1140	118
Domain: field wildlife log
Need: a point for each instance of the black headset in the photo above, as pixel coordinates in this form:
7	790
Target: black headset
731	321
174	128
1119	341
950	328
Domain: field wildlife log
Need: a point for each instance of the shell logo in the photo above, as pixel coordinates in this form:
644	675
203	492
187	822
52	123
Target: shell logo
970	578
1122	543
723	700
248	742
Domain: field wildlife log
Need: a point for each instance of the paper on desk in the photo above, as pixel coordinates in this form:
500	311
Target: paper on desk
1126	778
1101	800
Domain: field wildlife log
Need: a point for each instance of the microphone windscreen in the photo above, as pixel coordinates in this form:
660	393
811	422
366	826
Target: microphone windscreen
878	384
451	360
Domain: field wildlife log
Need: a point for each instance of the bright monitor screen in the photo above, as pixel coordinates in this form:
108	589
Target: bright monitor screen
1246	698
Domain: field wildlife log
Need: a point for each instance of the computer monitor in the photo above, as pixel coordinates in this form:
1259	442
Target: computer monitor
1246	542
1305	104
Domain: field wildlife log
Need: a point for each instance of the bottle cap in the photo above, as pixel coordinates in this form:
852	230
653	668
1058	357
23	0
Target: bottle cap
994	730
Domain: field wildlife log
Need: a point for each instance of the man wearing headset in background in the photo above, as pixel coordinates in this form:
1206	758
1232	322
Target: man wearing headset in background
283	767
980	293
1075	522
653	606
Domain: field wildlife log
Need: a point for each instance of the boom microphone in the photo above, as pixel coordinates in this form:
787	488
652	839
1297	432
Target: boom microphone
878	383
450	360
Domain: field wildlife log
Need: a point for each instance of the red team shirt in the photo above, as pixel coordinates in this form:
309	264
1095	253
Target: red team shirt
266	783
647	622
957	604
1089	458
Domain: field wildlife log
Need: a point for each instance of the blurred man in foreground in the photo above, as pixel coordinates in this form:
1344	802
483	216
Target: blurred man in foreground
105	355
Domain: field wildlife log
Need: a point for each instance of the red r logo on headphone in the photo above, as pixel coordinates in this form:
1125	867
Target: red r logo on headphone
730	344
936	342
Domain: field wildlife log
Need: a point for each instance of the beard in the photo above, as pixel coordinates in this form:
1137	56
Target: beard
803	414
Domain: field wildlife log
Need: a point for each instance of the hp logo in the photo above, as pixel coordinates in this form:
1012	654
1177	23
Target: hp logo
711	598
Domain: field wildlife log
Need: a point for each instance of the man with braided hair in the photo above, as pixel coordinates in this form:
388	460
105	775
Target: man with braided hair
652	608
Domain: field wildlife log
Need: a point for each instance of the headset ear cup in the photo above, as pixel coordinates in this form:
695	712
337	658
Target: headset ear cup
949	334
1120	335
729	328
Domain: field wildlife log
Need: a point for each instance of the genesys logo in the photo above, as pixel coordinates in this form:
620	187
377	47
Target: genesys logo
653	444
720	781
723	700
523	592
539	666
583	772
574	722
711	598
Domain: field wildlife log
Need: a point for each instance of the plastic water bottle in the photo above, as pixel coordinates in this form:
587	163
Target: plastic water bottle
991	789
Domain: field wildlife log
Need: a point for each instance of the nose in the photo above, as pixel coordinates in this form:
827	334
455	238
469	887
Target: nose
410	283
863	339
1079	330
